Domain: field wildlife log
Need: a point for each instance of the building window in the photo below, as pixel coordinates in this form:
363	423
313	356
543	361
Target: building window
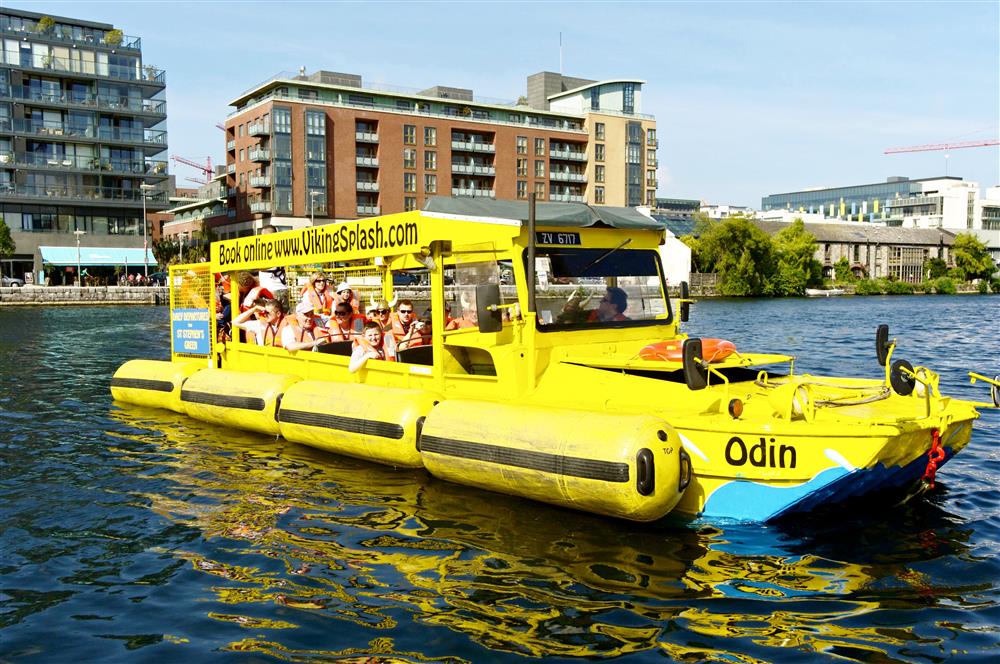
651	197
239	130
409	203
409	158
430	183
430	136
595	98
315	123
241	154
308	94
650	137
410	182
539	147
539	168
522	168
599	173
598	194
522	145
522	189
599	131
282	120
409	134
651	178
628	98
651	157
430	160
599	152
539	190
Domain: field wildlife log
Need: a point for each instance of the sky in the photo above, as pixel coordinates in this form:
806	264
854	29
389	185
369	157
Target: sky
750	98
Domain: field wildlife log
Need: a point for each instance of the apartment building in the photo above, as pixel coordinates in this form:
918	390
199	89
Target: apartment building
304	149
82	138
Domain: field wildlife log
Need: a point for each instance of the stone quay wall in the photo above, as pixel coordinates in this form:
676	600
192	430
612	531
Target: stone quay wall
69	295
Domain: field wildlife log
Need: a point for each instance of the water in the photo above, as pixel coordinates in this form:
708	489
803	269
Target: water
134	534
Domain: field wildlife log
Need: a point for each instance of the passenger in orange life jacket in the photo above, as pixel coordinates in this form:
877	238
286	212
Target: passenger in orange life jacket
345	326
250	290
303	331
403	319
419	335
345	294
369	347
318	295
268	325
379	312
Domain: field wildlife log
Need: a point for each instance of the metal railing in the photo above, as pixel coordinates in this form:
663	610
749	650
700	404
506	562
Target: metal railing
261	207
573	155
135	135
473	169
473	146
366	137
367	161
259	129
568	176
368	209
473	192
83	193
260	181
138	73
367	186
77	163
87	100
259	154
74	35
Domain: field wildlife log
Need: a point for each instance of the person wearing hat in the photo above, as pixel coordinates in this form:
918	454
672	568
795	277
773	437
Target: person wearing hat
303	331
380	312
345	294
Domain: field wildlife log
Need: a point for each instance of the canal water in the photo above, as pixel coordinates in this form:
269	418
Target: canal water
132	534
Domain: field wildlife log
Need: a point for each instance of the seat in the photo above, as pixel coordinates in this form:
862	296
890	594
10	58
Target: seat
418	355
337	348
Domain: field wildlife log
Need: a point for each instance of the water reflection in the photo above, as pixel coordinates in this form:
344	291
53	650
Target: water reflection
289	536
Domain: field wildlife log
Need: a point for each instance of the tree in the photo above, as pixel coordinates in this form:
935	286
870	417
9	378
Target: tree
797	266
7	245
972	257
936	267
742	255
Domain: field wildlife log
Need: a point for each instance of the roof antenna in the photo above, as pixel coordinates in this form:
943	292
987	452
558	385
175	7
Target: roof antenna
302	70
560	54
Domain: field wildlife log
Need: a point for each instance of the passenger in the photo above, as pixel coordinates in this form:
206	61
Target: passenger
419	335
369	348
317	294
380	312
345	326
250	290
612	306
303	331
269	323
345	294
403	320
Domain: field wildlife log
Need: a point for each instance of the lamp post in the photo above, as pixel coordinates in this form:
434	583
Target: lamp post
312	207
181	238
143	188
79	276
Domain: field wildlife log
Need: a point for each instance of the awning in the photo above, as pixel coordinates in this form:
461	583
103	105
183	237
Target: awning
95	256
546	214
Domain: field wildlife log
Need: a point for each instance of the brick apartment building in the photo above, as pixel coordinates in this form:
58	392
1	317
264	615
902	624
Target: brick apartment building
325	146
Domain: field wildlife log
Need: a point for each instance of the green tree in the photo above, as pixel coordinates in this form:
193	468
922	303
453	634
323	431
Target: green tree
742	255
972	257
7	245
797	266
935	267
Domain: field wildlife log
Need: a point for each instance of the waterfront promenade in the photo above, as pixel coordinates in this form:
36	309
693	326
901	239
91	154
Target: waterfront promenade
65	295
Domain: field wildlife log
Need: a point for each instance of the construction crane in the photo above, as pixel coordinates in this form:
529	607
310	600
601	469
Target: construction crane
205	168
944	146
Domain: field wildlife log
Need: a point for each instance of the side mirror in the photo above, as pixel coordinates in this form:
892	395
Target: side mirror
695	374
487	309
685	306
882	344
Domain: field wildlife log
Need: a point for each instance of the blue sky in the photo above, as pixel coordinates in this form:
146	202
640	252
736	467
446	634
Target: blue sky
750	98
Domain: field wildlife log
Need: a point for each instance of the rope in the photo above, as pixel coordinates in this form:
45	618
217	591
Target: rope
883	392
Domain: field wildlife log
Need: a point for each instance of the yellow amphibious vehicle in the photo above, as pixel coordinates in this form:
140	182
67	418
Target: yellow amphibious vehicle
556	371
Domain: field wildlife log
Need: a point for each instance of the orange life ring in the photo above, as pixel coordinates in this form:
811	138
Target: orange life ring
714	350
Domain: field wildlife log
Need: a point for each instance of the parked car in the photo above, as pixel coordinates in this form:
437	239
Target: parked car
406	279
11	281
158	279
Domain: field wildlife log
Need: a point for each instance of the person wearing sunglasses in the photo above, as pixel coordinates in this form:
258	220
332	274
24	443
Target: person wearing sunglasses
403	319
345	325
318	295
611	307
268	322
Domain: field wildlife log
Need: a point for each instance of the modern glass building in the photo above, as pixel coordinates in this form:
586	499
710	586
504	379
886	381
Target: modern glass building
82	138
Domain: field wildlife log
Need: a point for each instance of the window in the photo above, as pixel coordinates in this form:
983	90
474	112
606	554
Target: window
599	131
430	160
409	158
282	120
409	134
522	168
650	137
599	152
315	123
410	182
599	173
595	98
651	178
308	94
628	98
522	189
651	198
315	148
241	155
430	184
540	190
409	203
651	157
539	168
239	130
522	145
430	136
404	105
539	147
598	195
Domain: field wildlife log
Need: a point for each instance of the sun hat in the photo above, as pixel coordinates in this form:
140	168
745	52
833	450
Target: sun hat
342	286
304	307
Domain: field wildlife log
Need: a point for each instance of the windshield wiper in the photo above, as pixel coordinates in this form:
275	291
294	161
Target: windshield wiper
604	255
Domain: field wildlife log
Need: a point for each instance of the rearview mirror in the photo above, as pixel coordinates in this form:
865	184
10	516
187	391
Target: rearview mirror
685	306
487	307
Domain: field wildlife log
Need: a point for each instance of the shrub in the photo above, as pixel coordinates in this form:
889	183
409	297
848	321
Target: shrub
945	286
926	286
984	287
113	37
995	285
898	288
869	287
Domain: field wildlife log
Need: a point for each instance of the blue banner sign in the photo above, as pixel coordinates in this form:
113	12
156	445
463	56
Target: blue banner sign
191	331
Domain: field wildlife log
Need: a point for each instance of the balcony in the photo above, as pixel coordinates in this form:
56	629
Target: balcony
259	129
369	210
569	155
230	192
260	207
566	198
230	145
367	186
474	169
84	194
33	160
474	146
366	137
259	154
567	176
88	36
473	192
87	100
260	181
230	168
368	162
137	73
85	131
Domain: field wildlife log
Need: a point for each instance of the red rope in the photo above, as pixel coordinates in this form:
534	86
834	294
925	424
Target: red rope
935	456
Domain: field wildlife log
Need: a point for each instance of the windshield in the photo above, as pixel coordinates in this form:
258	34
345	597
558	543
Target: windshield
614	287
